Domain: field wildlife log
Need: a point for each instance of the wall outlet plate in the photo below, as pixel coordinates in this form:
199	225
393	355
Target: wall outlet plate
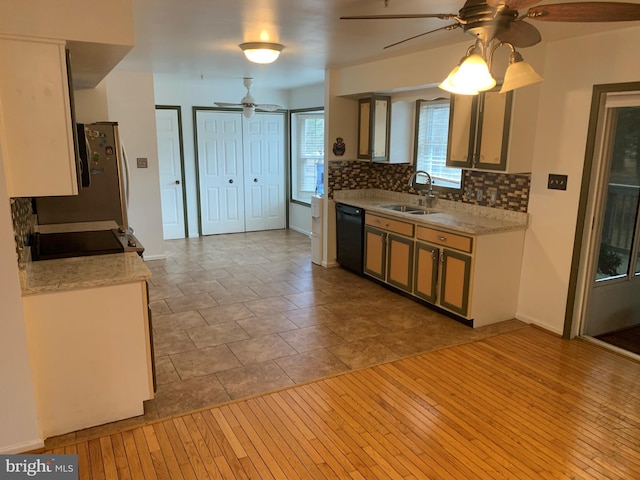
557	182
479	195
142	163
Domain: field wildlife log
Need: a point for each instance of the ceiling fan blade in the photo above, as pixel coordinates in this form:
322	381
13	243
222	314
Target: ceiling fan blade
586	12
223	104
520	34
513	4
268	107
453	26
442	16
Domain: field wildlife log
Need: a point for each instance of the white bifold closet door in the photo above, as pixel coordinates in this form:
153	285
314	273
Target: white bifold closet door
241	165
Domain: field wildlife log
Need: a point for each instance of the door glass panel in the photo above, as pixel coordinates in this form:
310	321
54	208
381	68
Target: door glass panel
621	208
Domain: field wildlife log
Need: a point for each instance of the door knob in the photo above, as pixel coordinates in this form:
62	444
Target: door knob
177	182
231	180
255	180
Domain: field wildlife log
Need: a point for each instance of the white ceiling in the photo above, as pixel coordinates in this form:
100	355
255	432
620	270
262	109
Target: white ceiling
199	38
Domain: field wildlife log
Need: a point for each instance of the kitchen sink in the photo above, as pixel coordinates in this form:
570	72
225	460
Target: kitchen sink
401	208
411	209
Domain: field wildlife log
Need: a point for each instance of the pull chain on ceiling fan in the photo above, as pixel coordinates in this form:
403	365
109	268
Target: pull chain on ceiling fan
497	22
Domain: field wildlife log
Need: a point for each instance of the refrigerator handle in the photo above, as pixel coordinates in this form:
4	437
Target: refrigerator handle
125	160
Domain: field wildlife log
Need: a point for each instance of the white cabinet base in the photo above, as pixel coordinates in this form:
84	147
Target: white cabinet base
89	356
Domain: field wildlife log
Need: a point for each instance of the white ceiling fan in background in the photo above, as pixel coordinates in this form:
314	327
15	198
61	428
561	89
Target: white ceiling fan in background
248	103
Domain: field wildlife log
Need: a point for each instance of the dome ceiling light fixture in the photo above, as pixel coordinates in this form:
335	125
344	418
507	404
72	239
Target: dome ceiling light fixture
261	52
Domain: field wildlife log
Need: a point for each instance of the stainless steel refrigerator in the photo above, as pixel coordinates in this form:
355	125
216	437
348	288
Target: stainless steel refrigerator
106	196
104	199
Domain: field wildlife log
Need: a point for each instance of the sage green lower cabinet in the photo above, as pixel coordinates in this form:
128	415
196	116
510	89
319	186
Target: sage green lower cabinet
425	283
389	257
455	281
375	253
474	276
443	277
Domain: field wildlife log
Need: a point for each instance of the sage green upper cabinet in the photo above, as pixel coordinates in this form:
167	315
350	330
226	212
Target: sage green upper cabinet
374	124
493	131
479	130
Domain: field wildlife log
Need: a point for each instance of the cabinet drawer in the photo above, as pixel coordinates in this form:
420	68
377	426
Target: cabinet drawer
446	239
394	226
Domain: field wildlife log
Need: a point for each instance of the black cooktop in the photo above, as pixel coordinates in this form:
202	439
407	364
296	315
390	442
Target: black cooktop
48	246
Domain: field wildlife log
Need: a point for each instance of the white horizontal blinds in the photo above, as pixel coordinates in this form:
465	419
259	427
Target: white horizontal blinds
433	132
310	153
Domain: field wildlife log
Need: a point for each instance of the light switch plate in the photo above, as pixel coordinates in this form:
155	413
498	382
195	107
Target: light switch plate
557	182
142	163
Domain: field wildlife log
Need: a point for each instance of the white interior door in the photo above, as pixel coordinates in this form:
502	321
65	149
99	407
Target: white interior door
220	171
171	173
264	166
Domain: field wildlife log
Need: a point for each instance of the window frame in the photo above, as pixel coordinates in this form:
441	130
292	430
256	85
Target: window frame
293	139
419	103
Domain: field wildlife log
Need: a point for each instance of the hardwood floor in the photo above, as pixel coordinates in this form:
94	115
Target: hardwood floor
519	405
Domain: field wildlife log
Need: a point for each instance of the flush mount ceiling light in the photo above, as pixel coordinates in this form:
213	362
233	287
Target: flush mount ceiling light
261	52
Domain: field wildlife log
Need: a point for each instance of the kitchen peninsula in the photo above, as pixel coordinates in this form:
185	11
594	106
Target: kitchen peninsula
89	336
461	258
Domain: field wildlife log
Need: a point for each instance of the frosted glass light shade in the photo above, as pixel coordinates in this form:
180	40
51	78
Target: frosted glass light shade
248	111
519	74
261	52
473	74
449	87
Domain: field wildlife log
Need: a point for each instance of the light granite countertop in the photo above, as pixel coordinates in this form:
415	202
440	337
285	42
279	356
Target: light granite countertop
449	215
50	276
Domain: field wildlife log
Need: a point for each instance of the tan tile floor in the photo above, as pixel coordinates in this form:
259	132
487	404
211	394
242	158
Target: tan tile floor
243	314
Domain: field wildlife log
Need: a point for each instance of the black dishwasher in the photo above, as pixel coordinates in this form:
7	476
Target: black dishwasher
350	237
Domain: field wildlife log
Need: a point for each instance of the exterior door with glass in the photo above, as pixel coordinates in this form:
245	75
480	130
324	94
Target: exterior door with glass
614	301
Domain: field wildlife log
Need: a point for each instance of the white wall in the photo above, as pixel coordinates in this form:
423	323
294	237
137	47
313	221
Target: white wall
306	97
18	421
131	104
571	69
174	91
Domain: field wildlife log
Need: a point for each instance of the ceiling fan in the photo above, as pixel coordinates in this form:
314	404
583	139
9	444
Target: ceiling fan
499	19
248	103
494	23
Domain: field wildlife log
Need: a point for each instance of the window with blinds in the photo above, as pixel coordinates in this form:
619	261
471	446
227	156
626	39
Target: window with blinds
307	154
432	134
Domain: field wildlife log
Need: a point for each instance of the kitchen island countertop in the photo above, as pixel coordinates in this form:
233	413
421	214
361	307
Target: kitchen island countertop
50	276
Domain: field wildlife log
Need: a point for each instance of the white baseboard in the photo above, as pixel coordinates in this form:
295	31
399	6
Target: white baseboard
538	323
22	447
299	230
154	257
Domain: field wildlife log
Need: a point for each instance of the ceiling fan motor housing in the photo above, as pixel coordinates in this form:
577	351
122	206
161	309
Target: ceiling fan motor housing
483	21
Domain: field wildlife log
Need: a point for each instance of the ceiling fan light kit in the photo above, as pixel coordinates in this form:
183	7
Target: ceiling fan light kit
497	22
261	52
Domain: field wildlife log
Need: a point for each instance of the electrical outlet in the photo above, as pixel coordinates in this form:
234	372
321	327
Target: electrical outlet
479	195
557	182
142	163
493	196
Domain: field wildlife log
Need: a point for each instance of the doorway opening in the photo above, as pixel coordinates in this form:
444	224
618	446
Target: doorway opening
610	308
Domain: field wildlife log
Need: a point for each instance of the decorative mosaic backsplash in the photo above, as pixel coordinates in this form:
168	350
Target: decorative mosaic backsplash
511	191
22	217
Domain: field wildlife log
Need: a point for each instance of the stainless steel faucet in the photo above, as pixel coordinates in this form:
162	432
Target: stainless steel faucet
420	187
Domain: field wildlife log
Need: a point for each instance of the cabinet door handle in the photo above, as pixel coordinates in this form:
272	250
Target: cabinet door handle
434	255
441	238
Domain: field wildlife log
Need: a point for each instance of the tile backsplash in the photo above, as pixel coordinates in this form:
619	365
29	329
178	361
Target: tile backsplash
23	224
511	191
